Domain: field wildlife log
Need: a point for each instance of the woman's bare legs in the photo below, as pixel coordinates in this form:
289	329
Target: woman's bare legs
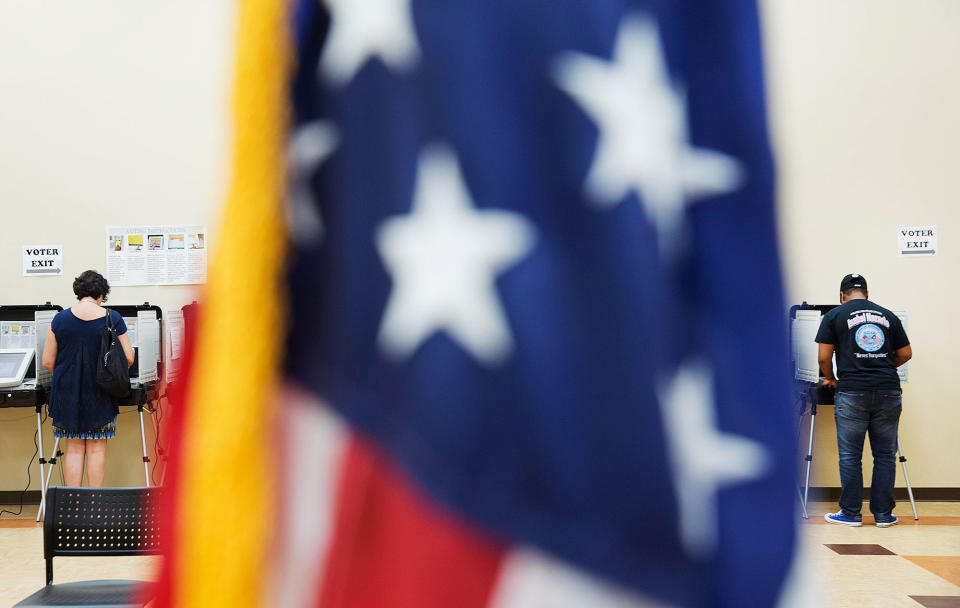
96	459
73	462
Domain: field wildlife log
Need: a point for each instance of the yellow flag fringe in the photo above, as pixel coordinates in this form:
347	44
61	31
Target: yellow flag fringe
226	504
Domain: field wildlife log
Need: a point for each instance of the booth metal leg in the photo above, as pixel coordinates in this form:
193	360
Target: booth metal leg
43	490
45	481
906	478
143	443
809	458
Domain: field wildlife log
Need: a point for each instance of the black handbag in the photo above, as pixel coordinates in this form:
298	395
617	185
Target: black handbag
113	372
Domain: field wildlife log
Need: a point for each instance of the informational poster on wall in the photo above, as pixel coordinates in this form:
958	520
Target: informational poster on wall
156	255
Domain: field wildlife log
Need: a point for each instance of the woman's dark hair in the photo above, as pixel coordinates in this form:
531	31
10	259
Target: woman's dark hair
90	284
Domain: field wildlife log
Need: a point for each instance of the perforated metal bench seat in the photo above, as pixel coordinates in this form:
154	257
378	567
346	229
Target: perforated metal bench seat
98	522
106	594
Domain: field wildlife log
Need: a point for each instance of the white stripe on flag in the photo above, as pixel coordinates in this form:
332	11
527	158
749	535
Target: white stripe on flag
801	589
532	579
313	441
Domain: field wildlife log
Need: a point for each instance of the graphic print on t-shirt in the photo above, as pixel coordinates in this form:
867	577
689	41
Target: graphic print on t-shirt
869	337
865	337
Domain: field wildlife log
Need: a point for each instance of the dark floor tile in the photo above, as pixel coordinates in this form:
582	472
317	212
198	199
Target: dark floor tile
854	549
937	601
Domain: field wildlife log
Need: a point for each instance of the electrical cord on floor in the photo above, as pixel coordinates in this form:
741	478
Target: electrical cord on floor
157	451
36	451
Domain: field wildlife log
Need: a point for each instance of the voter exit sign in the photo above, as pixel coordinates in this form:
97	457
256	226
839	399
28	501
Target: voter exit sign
42	260
917	240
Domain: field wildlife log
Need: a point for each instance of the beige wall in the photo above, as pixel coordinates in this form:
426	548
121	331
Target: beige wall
111	112
115	112
865	111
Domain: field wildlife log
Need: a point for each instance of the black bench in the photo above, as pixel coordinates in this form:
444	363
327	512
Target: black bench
98	522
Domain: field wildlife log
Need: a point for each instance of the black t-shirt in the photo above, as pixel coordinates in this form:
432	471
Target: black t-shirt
865	337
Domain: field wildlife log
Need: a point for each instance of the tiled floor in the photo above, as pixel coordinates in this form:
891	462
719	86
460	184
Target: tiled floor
21	556
913	564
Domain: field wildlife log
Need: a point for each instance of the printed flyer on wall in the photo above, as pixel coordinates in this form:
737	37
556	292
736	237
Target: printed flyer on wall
156	255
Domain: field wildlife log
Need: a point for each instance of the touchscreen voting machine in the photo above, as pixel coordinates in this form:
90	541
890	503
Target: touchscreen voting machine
14	363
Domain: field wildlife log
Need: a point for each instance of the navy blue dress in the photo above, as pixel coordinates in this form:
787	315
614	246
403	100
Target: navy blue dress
79	408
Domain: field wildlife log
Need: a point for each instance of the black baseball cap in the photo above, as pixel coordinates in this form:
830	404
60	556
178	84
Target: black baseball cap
853	281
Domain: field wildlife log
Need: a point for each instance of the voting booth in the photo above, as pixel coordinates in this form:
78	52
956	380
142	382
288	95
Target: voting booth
24	382
174	328
144	331
24	328
143	328
809	393
158	347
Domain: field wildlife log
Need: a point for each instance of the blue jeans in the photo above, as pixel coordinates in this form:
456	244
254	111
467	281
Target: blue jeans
857	413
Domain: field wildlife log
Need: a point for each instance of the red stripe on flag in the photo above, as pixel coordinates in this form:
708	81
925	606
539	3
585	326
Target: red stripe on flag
392	547
171	428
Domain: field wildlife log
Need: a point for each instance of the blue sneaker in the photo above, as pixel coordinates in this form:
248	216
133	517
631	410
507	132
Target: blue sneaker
841	519
886	523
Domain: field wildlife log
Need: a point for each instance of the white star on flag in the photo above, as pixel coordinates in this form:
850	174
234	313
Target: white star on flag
703	459
643	140
363	29
444	258
309	146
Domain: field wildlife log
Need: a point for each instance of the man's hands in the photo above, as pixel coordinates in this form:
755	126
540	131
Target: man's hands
825	358
901	356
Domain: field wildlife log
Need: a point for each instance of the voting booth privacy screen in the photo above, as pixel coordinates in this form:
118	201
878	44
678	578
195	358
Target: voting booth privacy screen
143	329
804	323
806	366
26	383
24	327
